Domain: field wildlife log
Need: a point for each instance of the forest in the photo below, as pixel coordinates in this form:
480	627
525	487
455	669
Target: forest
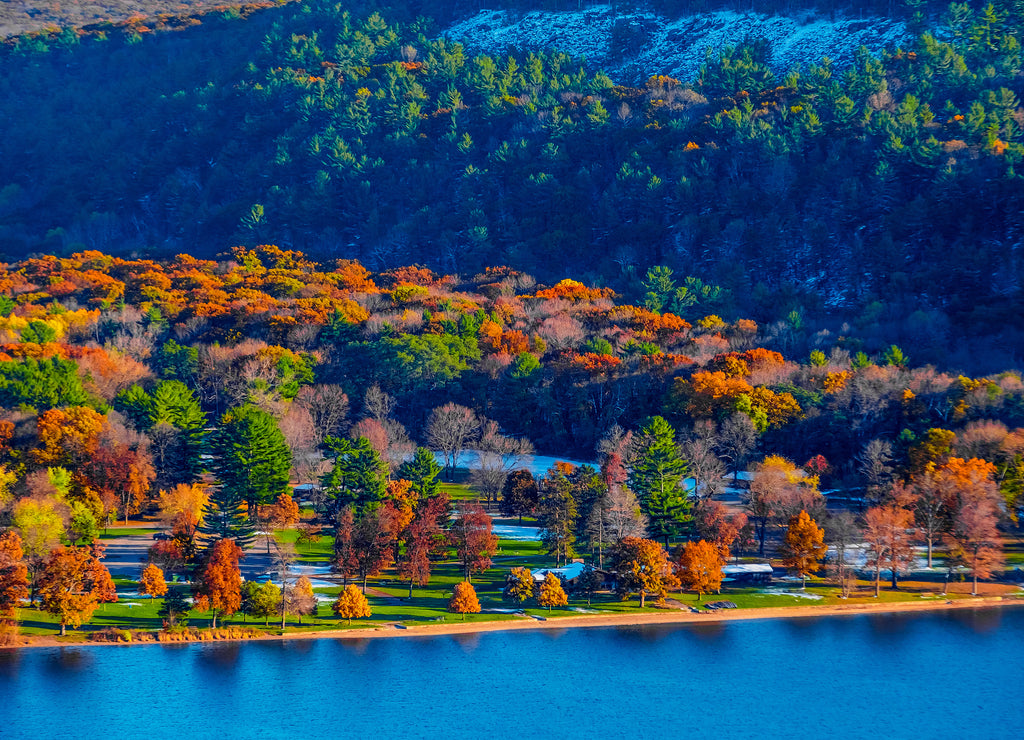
202	391
880	200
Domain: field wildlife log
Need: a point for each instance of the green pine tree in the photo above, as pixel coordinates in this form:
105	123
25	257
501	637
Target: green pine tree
251	458
422	471
657	476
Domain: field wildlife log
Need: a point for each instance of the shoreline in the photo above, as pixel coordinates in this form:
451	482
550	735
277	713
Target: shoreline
669	617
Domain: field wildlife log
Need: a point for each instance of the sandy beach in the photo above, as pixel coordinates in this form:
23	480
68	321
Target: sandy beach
669	616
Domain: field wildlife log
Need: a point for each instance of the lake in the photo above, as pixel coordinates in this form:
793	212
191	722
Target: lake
953	674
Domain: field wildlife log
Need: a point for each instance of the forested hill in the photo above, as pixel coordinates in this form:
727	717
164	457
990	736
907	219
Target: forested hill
885	194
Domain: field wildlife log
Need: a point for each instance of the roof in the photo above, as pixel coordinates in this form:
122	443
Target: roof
566	573
746	569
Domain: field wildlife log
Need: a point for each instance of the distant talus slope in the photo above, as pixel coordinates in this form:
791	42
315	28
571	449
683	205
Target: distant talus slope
633	46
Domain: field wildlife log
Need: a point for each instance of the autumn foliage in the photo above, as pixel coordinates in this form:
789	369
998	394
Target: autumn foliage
464	600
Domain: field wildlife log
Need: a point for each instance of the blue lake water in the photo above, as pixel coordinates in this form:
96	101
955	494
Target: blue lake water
939	675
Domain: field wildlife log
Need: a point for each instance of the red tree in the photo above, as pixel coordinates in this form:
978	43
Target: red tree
219	589
421	537
13	574
474	542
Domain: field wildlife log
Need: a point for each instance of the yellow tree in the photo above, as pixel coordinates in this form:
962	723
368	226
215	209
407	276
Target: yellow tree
73	583
518	585
464	600
151	582
351	604
803	546
551	592
642	567
700	567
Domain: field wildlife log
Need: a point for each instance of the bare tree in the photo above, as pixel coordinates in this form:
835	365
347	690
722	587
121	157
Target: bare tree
705	467
328	408
841	531
450	428
377	404
874	465
737	438
499	456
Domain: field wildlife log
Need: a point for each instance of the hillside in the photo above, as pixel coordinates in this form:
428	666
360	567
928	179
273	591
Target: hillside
878	193
633	45
27	16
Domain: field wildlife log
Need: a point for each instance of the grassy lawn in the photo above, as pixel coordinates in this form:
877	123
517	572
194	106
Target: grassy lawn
115	532
390	602
310	552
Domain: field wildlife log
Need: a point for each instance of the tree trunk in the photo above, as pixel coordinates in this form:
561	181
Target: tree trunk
878	580
929	552
642	595
63	629
410	588
213	620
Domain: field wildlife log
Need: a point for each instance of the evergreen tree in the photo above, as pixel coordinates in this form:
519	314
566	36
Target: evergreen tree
251	459
656	476
359	475
225	518
422	471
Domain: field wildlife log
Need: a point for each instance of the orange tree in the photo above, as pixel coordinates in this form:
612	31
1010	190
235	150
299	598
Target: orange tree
73	583
219	589
700	567
642	567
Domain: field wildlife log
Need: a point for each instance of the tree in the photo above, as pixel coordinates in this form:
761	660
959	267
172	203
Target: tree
737	438
351	604
464	600
779	491
421	472
264	601
550	593
250	457
327	406
175	607
842	532
974	541
358	476
73	583
519	495
803	546
13	574
473	539
642	567
518	586
41	528
700	567
219	587
589	581
225	518
889	532
498	456
151	582
283	513
300	599
422	536
558	511
373	541
713	524
450	428
656	476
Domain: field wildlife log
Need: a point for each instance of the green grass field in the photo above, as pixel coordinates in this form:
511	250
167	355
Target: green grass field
391	603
